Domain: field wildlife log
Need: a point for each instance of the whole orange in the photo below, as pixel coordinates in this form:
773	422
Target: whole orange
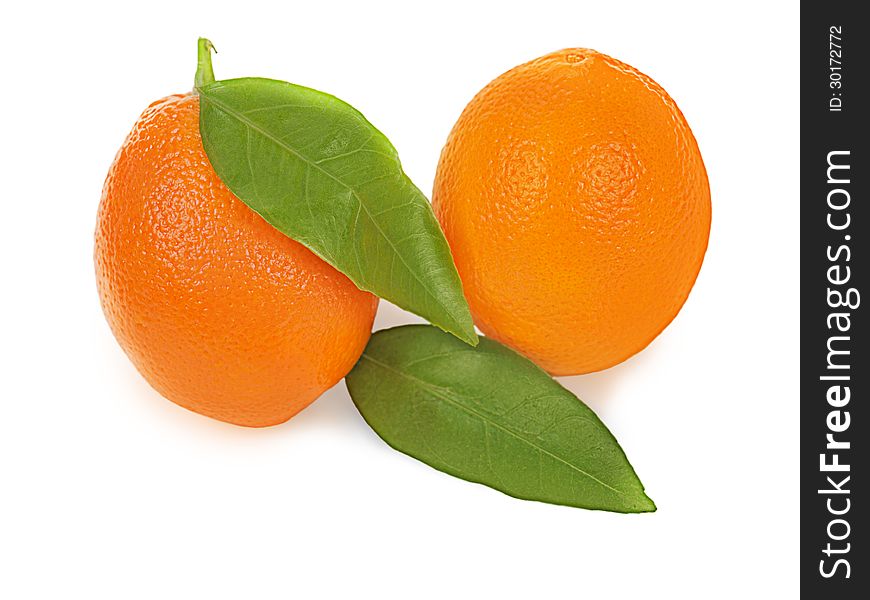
577	207
219	311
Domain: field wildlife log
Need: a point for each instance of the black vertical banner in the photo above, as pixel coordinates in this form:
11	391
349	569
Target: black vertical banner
835	366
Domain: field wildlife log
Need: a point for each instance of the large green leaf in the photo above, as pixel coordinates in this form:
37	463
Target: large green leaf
318	171
488	415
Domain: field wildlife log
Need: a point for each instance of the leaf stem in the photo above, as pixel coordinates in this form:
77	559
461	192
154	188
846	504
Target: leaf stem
204	73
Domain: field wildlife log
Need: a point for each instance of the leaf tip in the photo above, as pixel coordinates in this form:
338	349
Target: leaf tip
462	331
465	334
646	504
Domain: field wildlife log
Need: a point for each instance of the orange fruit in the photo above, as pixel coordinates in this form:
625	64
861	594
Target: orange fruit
219	311
577	207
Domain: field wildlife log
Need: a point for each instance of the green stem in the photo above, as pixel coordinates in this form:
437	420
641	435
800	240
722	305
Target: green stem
204	73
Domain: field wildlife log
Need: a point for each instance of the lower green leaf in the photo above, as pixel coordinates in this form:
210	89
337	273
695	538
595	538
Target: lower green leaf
491	416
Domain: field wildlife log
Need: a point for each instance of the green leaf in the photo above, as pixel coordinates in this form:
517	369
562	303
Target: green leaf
489	415
318	171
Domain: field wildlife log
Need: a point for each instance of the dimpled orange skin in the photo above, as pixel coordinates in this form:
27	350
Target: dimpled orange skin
575	201
219	311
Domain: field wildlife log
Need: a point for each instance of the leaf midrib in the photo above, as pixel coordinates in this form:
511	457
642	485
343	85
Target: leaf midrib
435	391
253	125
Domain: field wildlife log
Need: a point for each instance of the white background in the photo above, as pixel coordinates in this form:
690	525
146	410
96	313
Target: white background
110	491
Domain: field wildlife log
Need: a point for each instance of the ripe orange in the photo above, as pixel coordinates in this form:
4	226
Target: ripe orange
577	207
219	311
